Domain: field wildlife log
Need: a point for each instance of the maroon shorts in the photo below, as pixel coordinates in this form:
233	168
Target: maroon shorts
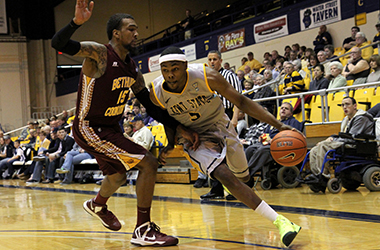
113	152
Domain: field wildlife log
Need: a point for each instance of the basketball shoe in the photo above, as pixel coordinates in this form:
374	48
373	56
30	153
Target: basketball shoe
288	230
101	212
148	234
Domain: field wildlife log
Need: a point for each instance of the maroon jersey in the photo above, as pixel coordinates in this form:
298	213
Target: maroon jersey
101	101
100	106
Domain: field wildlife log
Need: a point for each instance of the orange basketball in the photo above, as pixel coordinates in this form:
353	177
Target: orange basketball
288	148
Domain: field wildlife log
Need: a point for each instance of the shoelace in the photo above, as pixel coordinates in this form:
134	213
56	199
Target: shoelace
156	228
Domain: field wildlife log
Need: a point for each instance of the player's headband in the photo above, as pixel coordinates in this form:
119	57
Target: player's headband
172	57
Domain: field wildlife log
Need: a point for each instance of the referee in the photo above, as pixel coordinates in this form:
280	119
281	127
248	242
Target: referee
215	62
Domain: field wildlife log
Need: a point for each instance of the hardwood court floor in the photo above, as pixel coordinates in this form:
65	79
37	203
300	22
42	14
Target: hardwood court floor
50	216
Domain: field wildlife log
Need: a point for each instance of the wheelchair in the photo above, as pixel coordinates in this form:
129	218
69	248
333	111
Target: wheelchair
273	174
353	163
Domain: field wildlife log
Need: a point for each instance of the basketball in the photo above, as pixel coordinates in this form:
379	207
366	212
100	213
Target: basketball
288	148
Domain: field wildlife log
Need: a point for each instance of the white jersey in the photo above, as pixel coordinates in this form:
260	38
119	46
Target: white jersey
197	106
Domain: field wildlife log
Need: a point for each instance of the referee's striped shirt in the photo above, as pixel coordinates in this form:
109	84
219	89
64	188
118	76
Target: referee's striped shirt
234	81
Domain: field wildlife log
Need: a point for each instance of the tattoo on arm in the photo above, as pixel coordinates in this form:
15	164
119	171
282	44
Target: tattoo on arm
96	54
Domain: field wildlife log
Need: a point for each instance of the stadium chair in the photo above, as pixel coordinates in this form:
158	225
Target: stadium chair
316	109
338	51
363	98
350	82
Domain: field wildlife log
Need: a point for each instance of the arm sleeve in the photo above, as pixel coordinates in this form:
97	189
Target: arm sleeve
61	40
156	112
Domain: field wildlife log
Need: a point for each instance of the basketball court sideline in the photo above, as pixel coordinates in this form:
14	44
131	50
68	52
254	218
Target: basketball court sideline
52	216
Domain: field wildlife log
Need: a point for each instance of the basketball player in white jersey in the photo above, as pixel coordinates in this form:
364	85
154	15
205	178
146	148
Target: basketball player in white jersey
188	93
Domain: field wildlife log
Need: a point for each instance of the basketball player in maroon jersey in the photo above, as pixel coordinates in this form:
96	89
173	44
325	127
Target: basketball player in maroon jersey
108	74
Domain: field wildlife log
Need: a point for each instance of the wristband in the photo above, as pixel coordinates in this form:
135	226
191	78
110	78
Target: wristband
74	25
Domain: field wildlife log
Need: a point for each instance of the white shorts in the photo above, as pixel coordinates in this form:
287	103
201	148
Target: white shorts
218	143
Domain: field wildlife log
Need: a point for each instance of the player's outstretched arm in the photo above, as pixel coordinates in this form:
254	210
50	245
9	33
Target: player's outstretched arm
220	85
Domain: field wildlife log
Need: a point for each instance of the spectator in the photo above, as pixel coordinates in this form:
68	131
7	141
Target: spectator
247	70
8	148
40	159
227	66
338	80
350	42
188	24
269	65
244	61
356	122
322	56
296	48
65	115
374	62
376	38
279	66
241	125
305	60
136	109
265	92
25	132
357	68
276	56
329	50
323	38
146	118
75	156
293	56
267	56
240	75
128	129
287	50
298	67
7	163
60	150
319	81
361	41
32	138
253	63
258	155
293	81
142	135
301	52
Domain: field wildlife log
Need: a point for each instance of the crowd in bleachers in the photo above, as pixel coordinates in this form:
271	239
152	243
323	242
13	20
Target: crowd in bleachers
45	152
301	68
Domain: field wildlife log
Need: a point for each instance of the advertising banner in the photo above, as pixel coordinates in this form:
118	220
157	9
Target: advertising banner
231	40
3	18
189	51
271	29
320	14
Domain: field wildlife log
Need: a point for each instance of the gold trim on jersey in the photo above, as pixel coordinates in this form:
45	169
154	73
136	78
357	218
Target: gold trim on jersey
206	80
154	92
109	149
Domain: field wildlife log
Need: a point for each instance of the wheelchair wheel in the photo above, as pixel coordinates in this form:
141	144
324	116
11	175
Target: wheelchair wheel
334	185
286	176
266	184
371	178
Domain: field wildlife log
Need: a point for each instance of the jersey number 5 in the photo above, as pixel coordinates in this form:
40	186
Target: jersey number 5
194	116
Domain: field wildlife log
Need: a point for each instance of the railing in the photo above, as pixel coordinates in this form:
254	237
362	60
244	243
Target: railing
13	132
323	93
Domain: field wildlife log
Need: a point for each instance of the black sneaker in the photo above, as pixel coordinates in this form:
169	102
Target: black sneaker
210	195
199	183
